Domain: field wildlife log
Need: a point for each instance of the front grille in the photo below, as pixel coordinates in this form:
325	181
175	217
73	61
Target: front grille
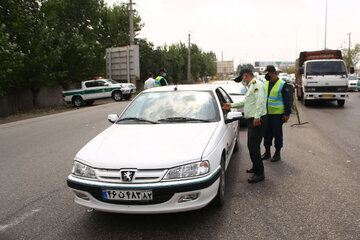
141	175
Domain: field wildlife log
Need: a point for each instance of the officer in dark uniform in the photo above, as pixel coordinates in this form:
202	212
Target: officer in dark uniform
278	111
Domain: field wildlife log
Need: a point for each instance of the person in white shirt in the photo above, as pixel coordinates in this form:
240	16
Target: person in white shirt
150	82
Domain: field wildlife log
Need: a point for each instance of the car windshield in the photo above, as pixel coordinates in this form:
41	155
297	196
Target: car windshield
326	68
352	78
171	106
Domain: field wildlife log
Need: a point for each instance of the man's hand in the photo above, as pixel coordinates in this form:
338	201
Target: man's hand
226	106
256	122
285	118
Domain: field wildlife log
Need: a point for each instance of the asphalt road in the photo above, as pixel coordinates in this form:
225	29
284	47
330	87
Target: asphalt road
313	193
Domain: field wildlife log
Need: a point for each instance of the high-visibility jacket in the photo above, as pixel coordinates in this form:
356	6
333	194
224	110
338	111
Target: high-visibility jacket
157	81
275	101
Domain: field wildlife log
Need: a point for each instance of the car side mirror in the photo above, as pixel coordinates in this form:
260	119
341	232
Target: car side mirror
301	70
352	70
106	84
233	116
113	118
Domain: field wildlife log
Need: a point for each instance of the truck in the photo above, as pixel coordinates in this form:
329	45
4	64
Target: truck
95	89
321	75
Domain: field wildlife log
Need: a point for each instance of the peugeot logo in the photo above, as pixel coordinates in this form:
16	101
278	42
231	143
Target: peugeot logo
127	176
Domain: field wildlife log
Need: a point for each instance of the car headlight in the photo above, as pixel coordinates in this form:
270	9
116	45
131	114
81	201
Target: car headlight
82	170
189	170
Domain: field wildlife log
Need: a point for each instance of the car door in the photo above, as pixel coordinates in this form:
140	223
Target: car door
230	129
91	90
103	89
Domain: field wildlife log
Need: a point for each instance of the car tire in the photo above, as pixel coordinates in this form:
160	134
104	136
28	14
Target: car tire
304	101
117	96
78	101
236	147
219	200
340	103
297	95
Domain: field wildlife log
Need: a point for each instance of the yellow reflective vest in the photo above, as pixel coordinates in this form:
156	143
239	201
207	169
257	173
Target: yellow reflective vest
157	81
275	102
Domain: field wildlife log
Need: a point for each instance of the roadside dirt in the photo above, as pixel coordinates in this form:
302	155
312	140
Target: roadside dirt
38	112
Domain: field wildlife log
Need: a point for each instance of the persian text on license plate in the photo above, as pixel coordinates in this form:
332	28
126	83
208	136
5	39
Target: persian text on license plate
128	195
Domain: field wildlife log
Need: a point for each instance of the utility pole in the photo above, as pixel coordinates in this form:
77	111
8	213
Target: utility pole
132	42
349	41
189	62
325	22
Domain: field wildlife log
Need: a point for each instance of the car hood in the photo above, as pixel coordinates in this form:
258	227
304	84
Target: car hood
147	146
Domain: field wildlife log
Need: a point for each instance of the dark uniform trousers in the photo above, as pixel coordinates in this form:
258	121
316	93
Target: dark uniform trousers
274	130
255	136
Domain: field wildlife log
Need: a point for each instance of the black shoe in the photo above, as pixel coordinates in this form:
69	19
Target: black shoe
256	178
276	158
250	170
266	156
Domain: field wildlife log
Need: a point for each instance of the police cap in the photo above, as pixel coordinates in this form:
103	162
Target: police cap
242	72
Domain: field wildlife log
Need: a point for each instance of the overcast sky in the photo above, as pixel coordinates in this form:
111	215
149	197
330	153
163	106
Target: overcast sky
250	30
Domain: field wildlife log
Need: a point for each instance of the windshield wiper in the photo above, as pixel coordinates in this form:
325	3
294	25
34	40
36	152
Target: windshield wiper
137	119
182	119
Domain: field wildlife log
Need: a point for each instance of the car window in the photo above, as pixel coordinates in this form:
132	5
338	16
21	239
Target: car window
90	84
225	95
100	83
352	78
155	106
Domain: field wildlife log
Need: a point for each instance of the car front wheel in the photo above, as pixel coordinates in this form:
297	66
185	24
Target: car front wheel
117	96
219	200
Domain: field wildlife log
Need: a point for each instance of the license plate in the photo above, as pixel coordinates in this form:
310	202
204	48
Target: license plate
328	95
128	195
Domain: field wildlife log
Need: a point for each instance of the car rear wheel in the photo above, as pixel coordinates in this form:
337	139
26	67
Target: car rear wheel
78	101
219	200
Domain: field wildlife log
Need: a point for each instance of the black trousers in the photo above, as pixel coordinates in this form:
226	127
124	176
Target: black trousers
274	130
255	135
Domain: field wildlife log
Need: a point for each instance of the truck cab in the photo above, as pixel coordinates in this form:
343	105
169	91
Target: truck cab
321	75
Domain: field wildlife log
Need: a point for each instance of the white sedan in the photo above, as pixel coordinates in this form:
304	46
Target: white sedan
167	152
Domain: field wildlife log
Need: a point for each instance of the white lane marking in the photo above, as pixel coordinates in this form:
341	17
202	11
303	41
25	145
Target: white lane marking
18	220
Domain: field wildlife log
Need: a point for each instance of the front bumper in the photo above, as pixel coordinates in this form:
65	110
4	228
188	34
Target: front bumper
326	95
166	195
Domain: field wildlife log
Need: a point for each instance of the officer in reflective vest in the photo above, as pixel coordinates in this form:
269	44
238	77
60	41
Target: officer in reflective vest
278	111
160	80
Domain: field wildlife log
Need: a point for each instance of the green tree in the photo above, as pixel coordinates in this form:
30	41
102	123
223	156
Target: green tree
351	57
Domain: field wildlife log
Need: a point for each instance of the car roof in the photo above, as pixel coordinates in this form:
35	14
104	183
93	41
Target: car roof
185	87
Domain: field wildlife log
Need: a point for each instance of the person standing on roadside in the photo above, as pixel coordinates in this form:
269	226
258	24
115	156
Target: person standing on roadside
255	114
160	80
150	82
278	106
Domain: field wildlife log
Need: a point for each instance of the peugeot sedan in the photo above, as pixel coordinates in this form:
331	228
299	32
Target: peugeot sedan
167	152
